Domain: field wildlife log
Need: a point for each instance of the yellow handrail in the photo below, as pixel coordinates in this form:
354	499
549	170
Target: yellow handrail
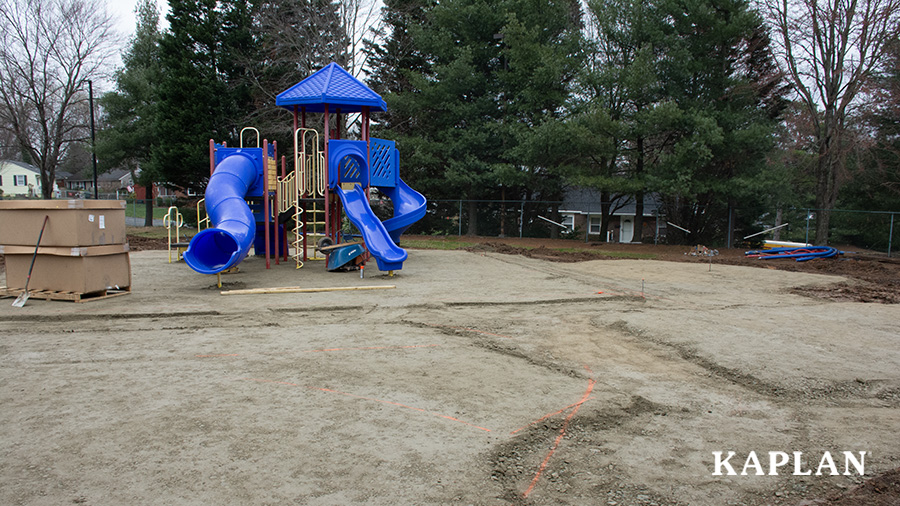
201	211
249	128
309	164
173	217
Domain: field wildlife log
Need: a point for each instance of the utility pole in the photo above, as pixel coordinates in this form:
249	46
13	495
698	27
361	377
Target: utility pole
93	138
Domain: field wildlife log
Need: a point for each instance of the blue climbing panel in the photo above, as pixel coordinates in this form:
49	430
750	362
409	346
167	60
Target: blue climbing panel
385	160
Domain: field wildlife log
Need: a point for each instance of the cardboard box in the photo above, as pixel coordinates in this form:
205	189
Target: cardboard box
59	269
71	223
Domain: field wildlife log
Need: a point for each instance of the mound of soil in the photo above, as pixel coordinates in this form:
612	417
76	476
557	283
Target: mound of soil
882	490
139	243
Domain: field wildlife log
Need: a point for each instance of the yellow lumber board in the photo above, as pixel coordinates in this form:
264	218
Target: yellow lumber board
297	289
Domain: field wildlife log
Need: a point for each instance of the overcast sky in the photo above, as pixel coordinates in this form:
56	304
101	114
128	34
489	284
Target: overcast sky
123	10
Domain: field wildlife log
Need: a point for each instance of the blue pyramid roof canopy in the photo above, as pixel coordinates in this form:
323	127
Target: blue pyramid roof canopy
331	87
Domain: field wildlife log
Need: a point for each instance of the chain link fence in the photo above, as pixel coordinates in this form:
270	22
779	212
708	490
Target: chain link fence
871	230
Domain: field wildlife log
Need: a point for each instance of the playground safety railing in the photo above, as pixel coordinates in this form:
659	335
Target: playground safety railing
173	220
202	218
242	135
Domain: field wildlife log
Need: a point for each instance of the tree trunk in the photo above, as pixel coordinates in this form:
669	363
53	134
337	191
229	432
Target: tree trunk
473	218
637	234
46	184
605	206
826	186
778	217
554	230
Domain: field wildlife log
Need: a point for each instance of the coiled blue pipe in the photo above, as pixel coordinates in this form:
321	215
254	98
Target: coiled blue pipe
801	254
216	249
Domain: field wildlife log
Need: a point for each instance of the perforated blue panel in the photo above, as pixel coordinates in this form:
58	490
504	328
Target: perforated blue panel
347	162
384	159
350	170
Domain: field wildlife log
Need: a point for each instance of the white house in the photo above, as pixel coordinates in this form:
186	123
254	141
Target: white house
19	179
581	208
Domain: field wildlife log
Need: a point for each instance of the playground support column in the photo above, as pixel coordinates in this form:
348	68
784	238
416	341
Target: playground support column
212	157
327	189
265	200
365	123
276	208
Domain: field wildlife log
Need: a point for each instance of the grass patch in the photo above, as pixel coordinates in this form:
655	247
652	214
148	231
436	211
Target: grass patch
149	232
139	210
612	254
438	242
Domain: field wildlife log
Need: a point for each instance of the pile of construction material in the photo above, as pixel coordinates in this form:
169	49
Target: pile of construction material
83	251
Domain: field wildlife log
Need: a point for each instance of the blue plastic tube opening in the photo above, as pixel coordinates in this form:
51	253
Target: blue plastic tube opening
212	251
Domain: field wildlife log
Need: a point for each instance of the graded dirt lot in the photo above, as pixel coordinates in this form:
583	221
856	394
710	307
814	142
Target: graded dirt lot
482	378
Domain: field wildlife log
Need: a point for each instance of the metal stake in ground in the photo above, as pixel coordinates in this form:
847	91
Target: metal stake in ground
20	300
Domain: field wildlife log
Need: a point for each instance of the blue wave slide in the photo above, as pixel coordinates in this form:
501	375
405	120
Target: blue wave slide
216	249
409	207
379	242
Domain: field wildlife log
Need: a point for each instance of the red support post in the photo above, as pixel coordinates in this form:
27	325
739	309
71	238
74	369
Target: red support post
328	172
212	157
276	205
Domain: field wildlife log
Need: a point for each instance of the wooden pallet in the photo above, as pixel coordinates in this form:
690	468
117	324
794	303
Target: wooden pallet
71	296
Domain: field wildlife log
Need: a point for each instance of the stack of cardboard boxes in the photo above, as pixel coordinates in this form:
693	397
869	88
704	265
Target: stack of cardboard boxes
83	249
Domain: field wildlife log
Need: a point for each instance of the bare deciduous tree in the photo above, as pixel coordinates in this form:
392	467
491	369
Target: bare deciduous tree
49	49
830	49
360	19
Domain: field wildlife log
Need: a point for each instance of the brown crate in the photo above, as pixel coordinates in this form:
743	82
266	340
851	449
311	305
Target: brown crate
78	270
71	223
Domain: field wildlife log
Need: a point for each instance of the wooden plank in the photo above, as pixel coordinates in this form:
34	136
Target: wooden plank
336	246
63	295
297	289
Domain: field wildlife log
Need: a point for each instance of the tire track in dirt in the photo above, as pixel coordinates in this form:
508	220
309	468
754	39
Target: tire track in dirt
844	391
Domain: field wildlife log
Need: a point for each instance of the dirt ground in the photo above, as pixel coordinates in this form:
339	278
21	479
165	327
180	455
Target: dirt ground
497	375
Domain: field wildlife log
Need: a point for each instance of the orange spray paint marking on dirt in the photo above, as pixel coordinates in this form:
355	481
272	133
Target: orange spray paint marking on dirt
562	433
541	419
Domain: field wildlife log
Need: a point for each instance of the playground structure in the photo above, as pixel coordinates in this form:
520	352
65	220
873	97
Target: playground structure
249	204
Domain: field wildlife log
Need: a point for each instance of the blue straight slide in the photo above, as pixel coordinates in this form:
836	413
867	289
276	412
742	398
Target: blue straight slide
389	256
409	207
216	249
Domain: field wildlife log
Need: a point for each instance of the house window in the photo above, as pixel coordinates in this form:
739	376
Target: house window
569	221
20	180
595	224
1	180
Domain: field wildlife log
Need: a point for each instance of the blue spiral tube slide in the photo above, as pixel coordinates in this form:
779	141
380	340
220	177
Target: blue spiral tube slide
216	249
